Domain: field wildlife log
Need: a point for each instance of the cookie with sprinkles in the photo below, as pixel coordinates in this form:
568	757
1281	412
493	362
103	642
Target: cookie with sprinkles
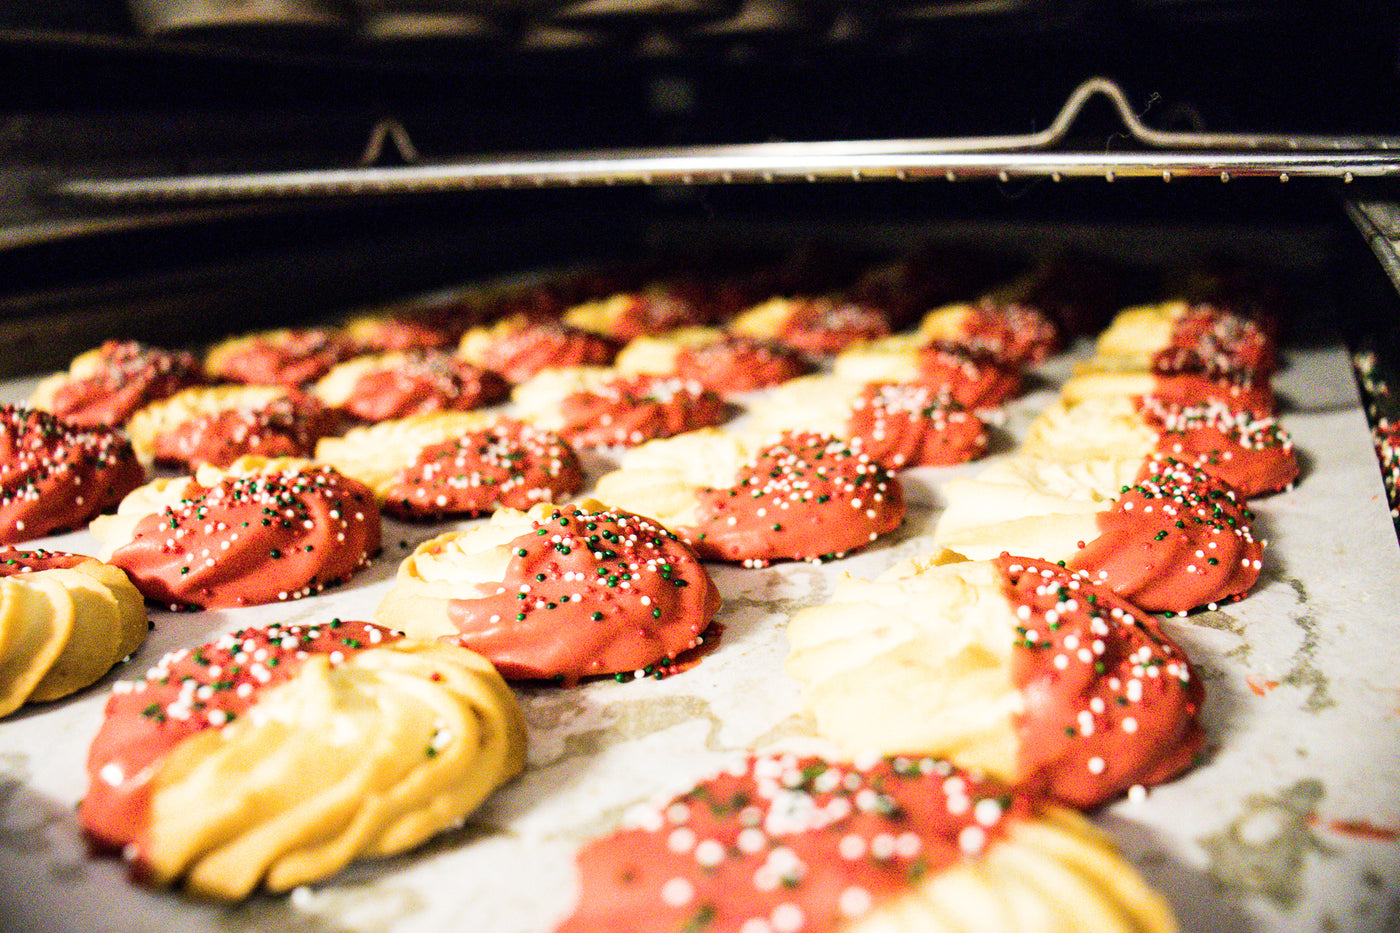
1019	667
722	362
380	386
625	316
55	476
519	348
1253	453
1165	535
104	386
399	332
65	619
967	378
273	757
595	406
261	531
819	327
1008	332
786	844
754	499
559	593
456	463
898	425
1182	337
284	356
1184	389
218	424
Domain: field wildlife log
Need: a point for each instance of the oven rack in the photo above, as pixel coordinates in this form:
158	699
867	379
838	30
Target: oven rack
1167	155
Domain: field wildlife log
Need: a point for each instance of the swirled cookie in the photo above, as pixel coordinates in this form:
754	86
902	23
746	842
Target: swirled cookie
787	843
558	593
284	356
397	332
969	379
897	425
455	463
1167	536
519	348
1019	667
627	315
720	361
817	326
273	757
395	385
1005	331
65	620
259	532
55	476
102	387
1180	337
1184	389
218	424
1253	454
593	406
753	500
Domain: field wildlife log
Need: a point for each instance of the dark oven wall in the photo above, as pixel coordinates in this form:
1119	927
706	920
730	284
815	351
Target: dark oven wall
91	89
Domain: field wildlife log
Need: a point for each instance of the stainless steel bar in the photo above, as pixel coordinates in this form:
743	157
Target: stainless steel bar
725	167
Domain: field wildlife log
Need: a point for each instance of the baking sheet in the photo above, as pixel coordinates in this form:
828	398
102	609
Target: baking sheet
1290	824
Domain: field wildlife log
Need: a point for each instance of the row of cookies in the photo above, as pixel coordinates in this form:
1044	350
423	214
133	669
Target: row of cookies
504	542
1040	674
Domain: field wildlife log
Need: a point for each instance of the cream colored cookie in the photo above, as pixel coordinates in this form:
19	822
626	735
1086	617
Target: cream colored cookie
1134	337
65	620
1052	874
888	359
1105	426
355	744
1025	505
820	403
918	661
158	418
663	478
462	564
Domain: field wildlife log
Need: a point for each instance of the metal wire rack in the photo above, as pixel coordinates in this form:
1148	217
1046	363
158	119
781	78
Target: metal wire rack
1165	155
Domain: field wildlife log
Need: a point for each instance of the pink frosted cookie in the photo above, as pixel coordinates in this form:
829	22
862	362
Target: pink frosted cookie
456	463
753	500
55	476
218	424
558	593
273	757
285	356
593	406
104	386
519	348
395	385
1252	453
786	843
1167	536
259	532
1020	667
898	425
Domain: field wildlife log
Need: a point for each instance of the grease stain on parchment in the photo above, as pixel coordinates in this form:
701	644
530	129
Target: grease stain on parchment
23	825
1305	672
1263	850
371	908
619	722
